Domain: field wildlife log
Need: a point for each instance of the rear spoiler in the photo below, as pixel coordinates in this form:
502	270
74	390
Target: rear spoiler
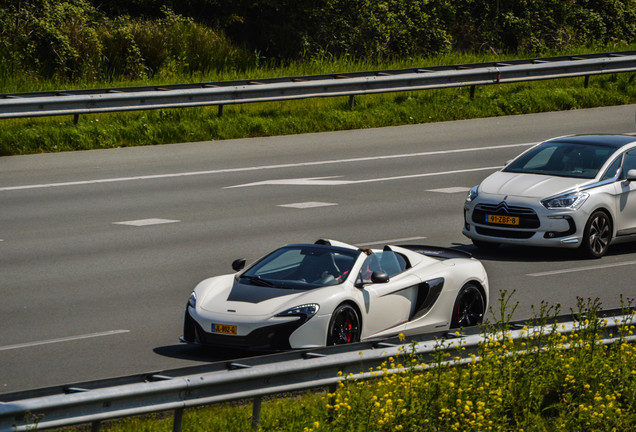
437	251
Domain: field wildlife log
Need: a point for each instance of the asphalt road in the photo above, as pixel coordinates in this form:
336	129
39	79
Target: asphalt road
100	250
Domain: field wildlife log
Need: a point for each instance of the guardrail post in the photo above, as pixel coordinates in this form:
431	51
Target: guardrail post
472	92
96	426
352	101
256	412
178	417
76	118
587	81
220	111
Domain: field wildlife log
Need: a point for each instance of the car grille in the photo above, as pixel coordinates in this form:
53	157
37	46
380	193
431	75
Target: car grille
272	338
515	234
527	216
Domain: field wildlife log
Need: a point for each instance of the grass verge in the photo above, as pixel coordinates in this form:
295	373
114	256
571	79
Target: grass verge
54	134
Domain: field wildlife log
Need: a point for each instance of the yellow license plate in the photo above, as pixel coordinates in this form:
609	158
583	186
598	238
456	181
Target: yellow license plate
224	329
502	220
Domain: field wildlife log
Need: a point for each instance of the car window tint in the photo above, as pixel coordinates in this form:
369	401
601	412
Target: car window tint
386	261
629	162
563	159
304	266
286	259
540	159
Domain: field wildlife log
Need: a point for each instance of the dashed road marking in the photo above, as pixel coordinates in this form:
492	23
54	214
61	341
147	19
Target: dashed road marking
145	222
309	204
450	190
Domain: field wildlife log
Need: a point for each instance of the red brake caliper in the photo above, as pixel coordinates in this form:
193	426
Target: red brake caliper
349	327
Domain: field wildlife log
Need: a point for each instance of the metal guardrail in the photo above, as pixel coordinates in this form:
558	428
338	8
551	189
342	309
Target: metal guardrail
237	381
76	102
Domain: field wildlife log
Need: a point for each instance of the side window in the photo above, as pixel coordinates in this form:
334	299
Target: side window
387	262
629	162
370	265
613	168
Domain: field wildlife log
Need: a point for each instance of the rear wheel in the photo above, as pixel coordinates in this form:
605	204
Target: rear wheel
344	326
597	235
469	307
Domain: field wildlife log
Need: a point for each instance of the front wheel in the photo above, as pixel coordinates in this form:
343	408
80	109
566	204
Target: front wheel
597	235
469	307
344	326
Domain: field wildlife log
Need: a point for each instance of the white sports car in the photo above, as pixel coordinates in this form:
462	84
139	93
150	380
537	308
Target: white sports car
327	293
573	191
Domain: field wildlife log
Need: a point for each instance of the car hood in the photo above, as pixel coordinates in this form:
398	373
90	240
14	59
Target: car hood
225	295
527	185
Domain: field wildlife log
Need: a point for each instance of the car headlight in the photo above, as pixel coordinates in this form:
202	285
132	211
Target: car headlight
473	193
306	310
192	301
571	201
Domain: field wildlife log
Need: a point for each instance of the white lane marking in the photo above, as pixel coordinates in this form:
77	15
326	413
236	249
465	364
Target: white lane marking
392	241
64	339
258	168
450	190
319	180
313	181
309	204
580	269
145	222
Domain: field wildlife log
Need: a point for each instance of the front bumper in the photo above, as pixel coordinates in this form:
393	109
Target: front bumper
268	338
537	226
274	337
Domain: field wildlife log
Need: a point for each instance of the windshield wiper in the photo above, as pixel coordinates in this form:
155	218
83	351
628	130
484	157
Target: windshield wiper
257	280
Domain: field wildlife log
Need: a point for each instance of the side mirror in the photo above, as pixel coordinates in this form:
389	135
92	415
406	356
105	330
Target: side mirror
631	175
238	264
379	277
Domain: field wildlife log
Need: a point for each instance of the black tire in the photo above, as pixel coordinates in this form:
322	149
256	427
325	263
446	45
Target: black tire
597	235
469	307
344	326
485	245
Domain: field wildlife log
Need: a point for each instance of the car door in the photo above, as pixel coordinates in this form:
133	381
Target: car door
626	198
387	304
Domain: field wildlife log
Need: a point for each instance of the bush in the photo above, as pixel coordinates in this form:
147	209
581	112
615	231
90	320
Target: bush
51	38
71	40
379	29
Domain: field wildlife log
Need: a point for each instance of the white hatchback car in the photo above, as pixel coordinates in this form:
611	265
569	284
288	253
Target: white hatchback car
573	191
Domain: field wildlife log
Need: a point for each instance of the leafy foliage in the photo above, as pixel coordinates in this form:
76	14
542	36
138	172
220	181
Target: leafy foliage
91	39
73	40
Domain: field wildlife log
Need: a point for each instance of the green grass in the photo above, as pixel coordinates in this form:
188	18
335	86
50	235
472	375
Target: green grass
54	134
564	382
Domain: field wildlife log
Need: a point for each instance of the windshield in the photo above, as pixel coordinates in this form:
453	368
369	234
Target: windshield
302	266
563	159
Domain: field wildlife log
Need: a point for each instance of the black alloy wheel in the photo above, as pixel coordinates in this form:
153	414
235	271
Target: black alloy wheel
597	235
344	326
469	307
